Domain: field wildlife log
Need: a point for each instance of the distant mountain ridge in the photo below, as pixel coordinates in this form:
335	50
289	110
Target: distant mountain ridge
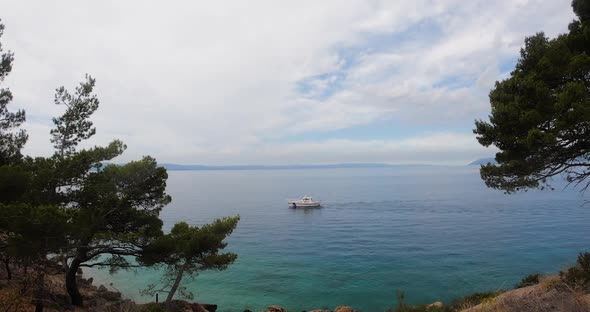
483	161
177	167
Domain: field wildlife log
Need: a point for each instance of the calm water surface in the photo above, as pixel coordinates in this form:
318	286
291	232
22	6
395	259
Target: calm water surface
435	232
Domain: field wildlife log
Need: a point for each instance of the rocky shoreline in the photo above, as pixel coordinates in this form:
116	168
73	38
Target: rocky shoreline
97	298
548	294
100	299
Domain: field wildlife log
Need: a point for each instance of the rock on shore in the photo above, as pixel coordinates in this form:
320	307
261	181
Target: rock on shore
276	308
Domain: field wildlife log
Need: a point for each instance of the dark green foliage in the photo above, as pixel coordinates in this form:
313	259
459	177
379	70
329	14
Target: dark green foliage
188	250
402	306
529	280
112	212
582	9
74	126
540	117
68	209
14	183
117	212
36	231
115	209
33	235
12	139
578	276
6	59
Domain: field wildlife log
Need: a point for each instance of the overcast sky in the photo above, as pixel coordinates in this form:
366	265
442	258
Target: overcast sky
274	82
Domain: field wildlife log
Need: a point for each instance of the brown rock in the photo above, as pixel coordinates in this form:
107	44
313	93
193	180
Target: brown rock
185	306
203	307
275	308
83	281
344	309
209	307
437	304
195	307
111	295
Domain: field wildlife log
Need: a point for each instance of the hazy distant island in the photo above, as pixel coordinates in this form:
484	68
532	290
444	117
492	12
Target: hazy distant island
483	161
177	167
181	167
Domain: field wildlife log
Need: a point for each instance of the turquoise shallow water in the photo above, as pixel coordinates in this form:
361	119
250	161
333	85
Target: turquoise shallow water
435	232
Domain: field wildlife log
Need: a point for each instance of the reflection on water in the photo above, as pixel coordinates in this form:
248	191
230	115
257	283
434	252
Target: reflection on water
307	210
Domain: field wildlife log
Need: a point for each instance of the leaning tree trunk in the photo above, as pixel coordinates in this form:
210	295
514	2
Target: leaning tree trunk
39	291
176	283
25	281
7	268
71	283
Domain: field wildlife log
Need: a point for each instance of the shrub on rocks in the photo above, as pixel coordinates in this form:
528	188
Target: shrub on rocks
578	276
529	280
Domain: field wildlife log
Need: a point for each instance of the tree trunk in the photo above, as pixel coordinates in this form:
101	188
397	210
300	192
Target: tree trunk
71	284
25	281
176	283
65	263
7	268
39	291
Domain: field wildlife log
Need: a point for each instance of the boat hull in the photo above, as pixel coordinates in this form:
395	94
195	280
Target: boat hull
304	205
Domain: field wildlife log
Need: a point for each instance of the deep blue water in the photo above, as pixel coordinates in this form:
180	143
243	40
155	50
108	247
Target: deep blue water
435	232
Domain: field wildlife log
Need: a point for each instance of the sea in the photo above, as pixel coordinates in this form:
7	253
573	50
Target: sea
433	232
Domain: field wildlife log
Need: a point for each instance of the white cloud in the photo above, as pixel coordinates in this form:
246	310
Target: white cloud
206	82
440	148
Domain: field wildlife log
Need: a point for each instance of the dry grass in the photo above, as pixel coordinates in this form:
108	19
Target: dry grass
483	299
550	282
12	300
550	295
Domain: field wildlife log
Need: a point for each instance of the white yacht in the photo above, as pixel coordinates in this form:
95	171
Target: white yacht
304	202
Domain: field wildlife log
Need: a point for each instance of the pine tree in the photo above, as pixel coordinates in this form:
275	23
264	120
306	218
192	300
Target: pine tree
188	250
12	139
540	117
